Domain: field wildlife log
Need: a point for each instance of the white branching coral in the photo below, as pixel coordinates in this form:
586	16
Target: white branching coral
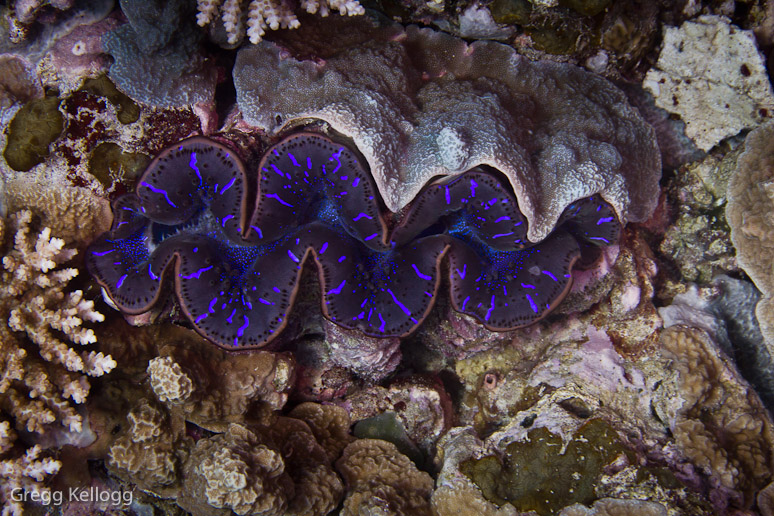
35	385
26	472
267	14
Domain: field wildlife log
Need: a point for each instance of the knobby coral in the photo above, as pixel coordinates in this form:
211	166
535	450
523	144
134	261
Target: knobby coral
238	262
266	14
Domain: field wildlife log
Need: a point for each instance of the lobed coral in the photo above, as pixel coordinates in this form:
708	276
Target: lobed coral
419	104
749	213
261	15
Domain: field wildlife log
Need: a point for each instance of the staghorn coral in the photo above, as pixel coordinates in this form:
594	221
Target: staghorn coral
36	306
749	212
420	104
266	14
381	480
26	472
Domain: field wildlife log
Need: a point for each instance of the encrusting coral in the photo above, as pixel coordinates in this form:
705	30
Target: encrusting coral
266	14
749	213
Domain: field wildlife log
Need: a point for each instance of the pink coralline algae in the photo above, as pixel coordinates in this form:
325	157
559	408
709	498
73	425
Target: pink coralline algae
419	104
236	262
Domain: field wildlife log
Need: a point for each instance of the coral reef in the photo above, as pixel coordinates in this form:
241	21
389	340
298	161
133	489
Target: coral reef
367	275
748	212
261	15
519	117
711	74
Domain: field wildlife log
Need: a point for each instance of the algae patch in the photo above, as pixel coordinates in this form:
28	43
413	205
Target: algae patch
33	129
537	475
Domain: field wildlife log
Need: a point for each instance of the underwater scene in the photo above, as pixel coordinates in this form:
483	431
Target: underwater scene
386	258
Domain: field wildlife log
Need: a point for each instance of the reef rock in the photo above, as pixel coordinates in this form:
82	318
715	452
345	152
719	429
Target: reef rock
711	74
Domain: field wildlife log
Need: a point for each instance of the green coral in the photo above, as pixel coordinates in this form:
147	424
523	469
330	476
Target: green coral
33	129
127	111
109	163
536	475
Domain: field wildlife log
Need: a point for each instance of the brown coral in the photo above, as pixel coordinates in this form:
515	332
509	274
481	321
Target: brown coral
151	450
381	480
329	424
721	425
214	388
750	213
236	471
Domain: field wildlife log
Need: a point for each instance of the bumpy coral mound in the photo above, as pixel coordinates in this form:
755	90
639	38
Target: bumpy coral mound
721	425
381	480
749	212
151	450
420	104
236	471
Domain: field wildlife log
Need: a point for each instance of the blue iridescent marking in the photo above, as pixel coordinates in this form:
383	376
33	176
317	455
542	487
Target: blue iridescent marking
500	219
324	247
275	196
258	230
226	219
197	274
423	276
364	302
604	219
293	159
550	275
228	185
200	318
502	235
336	156
121	281
448	197
341	259
473	186
465	302
361	215
211	308
462	273
605	240
381	328
262	300
277	290
400	305
293	256
371	237
276	170
103	253
532	304
489	312
150	272
337	290
192	164
231	317
527	285
356	182
158	190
